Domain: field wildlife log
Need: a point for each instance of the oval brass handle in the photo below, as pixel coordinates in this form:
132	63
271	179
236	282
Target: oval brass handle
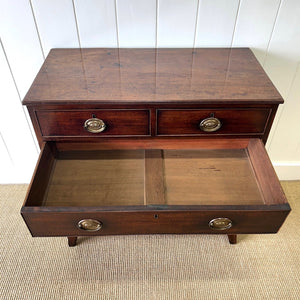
210	124
94	125
90	225
220	224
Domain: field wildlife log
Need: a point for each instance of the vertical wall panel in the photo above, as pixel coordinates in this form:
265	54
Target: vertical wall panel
136	23
176	23
216	21
283	53
254	25
56	23
5	162
286	140
287	137
270	27
20	39
15	131
281	64
96	21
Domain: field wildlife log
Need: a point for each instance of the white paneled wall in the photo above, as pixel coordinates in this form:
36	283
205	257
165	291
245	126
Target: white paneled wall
56	23
254	25
176	23
17	143
215	23
20	40
97	23
30	28
136	23
6	162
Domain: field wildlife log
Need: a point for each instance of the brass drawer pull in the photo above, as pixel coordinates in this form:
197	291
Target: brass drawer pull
94	125
220	224
89	225
210	124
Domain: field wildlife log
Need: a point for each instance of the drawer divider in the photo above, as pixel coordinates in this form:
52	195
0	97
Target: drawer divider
154	178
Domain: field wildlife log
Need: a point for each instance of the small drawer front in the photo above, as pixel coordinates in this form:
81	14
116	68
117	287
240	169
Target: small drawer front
212	122
94	123
151	222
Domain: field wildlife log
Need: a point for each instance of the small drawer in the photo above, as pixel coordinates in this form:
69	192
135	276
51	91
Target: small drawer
94	123
197	122
218	190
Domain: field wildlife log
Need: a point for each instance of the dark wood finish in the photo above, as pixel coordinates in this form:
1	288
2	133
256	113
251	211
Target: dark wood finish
269	123
41	176
89	184
152	170
234	121
36	126
157	220
153	121
72	240
155	143
232	238
33	110
79	76
70	123
265	174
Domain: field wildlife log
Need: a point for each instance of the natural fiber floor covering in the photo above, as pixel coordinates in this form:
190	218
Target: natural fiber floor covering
148	267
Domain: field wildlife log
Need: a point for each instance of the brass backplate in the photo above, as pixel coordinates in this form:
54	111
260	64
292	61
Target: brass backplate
94	125
210	124
220	224
90	225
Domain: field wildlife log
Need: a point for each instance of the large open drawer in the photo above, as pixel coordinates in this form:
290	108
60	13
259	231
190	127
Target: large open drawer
222	187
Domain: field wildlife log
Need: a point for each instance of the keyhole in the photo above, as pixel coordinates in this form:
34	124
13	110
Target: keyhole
156	216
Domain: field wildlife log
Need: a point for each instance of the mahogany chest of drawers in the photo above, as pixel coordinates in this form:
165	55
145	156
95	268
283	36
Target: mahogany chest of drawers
146	141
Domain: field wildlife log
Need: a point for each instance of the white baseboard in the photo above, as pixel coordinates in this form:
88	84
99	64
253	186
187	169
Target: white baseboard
287	170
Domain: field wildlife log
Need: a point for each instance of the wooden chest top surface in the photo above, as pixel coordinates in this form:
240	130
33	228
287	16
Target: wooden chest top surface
146	76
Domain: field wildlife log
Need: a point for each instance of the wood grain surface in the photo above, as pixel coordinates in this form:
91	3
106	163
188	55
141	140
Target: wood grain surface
71	123
210	177
186	177
151	75
234	121
152	170
104	178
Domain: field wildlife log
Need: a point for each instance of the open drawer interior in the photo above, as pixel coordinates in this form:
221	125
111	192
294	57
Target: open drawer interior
202	187
157	177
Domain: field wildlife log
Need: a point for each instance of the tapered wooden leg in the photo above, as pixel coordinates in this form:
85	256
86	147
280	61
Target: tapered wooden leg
232	238
72	241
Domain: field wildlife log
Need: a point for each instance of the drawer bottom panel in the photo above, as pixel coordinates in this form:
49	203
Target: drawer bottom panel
154	222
